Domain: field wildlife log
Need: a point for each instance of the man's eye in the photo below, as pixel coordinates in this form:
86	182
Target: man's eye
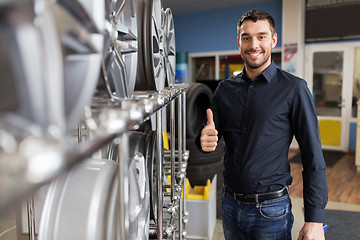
245	38
261	37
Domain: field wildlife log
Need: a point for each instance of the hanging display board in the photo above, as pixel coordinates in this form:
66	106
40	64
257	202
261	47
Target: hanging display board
332	20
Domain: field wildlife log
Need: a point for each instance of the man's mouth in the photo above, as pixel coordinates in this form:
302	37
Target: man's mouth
254	54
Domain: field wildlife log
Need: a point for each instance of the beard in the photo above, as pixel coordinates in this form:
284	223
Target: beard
253	65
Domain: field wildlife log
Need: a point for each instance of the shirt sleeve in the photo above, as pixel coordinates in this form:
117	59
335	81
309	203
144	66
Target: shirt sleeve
305	127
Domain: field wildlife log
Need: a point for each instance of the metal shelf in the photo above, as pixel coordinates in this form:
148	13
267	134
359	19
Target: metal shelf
20	173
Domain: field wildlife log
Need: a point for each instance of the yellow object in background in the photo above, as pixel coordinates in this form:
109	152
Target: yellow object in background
330	132
198	192
165	141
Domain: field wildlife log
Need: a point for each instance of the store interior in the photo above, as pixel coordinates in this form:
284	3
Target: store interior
147	72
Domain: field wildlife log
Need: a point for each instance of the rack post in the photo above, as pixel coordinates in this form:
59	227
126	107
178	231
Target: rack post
172	149
180	155
31	217
159	172
124	185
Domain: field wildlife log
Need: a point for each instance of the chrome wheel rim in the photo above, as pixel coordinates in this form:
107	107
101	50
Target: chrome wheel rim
121	48
87	194
169	48
82	44
139	195
33	69
154	45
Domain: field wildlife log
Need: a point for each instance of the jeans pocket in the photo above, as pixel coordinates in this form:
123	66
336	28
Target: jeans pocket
275	209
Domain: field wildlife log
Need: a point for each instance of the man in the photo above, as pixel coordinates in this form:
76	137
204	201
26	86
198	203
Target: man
258	112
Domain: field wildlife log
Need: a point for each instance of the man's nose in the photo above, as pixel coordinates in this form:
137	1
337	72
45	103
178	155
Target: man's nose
254	43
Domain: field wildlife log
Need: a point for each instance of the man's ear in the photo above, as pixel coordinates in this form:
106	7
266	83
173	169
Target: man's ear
274	40
238	42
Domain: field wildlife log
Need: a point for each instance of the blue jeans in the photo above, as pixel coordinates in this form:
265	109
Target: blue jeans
271	219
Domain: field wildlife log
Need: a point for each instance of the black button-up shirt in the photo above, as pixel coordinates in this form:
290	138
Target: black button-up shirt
258	120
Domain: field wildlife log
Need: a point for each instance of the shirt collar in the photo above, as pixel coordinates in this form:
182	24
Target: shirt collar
268	73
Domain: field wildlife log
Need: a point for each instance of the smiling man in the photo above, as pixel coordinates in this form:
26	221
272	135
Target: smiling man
257	113
256	39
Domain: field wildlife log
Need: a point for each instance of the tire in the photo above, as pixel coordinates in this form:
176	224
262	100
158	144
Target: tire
199	158
219	198
151	166
198	99
199	174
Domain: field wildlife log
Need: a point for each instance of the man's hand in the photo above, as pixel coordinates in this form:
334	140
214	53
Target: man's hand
209	135
312	231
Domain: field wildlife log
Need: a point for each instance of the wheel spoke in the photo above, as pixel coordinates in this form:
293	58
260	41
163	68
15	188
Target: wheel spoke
114	67
108	62
170	67
126	36
117	8
122	31
157	15
78	11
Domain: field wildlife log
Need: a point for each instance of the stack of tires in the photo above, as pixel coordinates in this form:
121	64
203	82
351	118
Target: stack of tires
202	166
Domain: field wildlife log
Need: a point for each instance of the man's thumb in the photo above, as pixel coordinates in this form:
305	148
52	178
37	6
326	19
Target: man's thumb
210	118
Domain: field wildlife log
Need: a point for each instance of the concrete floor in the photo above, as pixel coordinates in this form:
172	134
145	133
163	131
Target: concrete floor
8	222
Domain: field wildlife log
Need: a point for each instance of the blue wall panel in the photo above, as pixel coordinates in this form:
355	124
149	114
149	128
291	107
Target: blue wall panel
216	30
352	138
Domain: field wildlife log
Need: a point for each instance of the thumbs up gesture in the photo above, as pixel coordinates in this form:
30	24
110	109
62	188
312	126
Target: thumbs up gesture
209	135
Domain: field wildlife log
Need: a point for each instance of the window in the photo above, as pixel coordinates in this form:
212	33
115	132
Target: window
211	68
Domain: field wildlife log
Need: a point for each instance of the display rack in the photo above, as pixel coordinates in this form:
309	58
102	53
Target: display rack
109	119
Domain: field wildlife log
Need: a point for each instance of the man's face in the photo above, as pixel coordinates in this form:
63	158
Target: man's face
255	43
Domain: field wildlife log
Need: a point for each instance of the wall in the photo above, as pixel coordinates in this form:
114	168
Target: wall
216	30
293	29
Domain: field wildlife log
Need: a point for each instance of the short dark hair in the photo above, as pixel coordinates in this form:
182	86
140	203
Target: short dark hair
255	15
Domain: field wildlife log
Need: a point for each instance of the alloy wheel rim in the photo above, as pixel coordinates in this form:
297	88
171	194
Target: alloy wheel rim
121	49
169	48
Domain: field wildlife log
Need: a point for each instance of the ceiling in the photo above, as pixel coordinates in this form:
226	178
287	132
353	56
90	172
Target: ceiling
192	6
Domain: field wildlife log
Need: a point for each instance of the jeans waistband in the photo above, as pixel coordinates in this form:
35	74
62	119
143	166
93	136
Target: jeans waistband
248	198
